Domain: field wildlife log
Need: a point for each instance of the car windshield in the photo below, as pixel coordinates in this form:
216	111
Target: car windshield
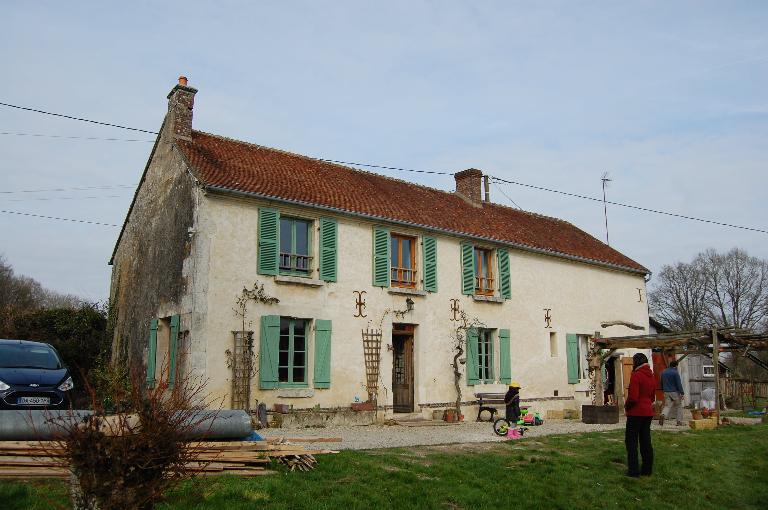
28	356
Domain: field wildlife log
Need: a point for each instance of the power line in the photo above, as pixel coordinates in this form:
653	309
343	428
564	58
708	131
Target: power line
81	188
59	218
60	198
629	206
497	179
383	167
38	135
508	197
78	118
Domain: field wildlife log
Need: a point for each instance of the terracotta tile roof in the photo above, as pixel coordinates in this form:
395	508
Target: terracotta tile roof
235	165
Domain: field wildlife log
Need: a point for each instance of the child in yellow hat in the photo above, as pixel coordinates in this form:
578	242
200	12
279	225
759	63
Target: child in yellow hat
512	402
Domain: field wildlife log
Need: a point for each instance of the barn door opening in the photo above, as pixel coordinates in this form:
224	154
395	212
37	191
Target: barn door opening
402	368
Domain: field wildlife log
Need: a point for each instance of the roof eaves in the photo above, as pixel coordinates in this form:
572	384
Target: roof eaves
519	246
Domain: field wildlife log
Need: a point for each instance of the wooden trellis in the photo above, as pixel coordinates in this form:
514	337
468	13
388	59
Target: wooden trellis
372	354
242	370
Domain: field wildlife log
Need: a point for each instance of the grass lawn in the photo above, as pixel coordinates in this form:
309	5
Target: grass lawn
726	468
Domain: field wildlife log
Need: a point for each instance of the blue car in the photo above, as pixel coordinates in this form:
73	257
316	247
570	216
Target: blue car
32	376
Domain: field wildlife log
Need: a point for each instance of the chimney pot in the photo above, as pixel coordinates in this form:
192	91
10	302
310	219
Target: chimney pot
469	184
183	81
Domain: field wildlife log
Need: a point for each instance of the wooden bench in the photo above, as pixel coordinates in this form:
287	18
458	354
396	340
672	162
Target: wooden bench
484	401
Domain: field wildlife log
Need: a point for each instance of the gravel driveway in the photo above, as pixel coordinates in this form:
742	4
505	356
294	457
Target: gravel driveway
428	433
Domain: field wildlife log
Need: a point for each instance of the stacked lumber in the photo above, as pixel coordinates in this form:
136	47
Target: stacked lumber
45	459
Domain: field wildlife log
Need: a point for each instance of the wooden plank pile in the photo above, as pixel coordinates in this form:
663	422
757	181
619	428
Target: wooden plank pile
43	459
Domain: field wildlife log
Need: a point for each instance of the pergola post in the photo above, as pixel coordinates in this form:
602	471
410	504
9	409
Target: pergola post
596	364
716	359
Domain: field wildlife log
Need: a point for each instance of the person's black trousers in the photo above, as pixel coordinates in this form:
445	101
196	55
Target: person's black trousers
639	429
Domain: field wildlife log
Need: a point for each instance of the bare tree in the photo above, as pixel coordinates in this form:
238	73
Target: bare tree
458	342
723	289
736	288
679	297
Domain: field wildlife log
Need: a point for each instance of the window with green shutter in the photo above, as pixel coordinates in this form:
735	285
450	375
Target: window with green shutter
572	357
429	249
322	349
485	356
292	352
505	357
380	257
172	348
505	284
329	240
268	351
295	246
467	269
152	353
268	248
472	362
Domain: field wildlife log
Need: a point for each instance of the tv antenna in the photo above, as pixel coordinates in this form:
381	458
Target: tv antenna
605	180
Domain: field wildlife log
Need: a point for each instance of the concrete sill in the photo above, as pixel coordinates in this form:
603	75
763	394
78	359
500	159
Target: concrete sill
406	292
298	280
295	393
488	299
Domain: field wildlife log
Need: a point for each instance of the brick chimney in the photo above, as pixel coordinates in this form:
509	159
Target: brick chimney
181	100
469	185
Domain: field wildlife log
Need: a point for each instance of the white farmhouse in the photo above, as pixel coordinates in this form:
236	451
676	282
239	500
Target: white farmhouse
347	251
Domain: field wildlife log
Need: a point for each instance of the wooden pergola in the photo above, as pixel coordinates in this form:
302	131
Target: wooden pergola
709	342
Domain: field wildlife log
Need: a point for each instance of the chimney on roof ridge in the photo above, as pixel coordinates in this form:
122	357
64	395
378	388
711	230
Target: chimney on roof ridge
469	185
181	101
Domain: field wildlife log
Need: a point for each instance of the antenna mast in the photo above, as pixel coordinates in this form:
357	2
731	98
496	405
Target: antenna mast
605	179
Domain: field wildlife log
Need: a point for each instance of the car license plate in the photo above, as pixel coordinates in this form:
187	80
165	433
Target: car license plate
34	401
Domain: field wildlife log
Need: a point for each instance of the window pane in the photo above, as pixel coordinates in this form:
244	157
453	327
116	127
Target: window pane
299	327
298	375
406	262
286	226
395	252
282	374
298	359
284	322
302	237
284	342
283	361
298	343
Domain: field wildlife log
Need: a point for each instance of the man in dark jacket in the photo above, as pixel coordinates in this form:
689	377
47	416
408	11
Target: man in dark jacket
639	410
673	394
512	402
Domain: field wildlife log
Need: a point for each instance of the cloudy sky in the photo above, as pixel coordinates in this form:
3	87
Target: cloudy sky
670	98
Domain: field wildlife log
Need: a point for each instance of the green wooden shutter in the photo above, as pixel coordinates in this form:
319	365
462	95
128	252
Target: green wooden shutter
152	353
429	248
472	362
572	357
380	257
172	346
268	351
322	354
328	249
269	245
505	363
467	269
505	285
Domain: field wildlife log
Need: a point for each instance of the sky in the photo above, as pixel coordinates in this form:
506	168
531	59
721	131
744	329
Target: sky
669	98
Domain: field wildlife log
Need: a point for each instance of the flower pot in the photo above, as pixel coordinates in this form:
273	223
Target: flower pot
696	414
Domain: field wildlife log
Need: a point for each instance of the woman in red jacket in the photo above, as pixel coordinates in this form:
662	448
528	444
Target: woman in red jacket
639	410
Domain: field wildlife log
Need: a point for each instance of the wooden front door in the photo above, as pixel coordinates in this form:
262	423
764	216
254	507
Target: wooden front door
626	370
402	369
